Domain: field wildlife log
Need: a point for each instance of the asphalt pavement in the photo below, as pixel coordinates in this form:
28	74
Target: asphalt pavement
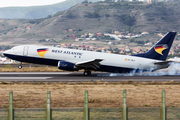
79	77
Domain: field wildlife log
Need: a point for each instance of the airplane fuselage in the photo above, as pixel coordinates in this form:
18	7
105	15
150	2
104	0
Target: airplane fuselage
52	56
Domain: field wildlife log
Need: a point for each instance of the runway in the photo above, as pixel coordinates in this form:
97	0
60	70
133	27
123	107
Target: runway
78	77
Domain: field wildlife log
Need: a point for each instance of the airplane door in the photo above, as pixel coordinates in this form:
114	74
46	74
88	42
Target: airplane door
25	52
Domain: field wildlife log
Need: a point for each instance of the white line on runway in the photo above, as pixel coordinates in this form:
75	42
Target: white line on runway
22	78
35	73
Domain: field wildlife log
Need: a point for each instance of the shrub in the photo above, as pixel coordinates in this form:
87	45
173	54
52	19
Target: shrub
92	15
127	19
70	15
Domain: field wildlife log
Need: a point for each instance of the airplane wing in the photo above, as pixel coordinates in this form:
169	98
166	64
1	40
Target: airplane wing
90	64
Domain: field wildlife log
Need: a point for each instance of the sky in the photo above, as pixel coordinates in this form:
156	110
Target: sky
24	3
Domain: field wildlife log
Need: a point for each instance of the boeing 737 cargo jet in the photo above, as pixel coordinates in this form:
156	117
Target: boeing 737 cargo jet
74	60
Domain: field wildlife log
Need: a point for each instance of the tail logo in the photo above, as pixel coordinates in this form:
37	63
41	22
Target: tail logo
42	51
160	48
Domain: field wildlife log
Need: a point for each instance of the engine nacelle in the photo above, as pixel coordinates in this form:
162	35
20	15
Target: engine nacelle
63	65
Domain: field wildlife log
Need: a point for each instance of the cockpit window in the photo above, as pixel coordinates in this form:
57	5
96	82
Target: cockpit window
13	48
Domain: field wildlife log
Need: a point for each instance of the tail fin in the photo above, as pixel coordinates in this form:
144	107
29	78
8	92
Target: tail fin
161	49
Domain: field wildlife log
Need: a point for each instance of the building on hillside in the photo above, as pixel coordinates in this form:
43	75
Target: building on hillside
28	27
72	36
70	30
99	34
151	1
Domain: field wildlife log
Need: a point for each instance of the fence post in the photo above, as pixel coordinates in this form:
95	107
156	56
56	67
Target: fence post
11	110
163	107
86	107
48	106
124	108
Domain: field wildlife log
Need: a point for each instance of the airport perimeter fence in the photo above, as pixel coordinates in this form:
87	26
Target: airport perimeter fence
86	113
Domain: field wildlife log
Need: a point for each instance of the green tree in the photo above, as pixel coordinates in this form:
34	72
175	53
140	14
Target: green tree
70	15
92	15
127	19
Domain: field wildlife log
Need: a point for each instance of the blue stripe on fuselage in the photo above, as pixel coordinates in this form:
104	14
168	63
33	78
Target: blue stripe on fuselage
35	60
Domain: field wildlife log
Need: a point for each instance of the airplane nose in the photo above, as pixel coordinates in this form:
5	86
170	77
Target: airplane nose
6	52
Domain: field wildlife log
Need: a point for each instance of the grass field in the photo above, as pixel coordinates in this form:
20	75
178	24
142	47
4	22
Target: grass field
101	94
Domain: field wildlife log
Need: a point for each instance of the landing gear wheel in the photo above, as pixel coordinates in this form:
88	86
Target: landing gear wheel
20	66
87	73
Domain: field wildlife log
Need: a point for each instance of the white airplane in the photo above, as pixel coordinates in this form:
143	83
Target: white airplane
74	60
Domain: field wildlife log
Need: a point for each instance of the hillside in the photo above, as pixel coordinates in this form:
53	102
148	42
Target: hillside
100	17
35	12
104	17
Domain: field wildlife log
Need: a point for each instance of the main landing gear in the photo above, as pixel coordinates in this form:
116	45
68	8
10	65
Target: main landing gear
20	66
87	73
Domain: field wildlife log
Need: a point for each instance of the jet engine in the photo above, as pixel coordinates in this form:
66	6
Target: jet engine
63	65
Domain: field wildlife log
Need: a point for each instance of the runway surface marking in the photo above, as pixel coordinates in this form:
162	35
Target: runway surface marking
26	73
24	78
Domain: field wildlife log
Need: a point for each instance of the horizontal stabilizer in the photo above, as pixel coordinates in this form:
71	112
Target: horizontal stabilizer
162	63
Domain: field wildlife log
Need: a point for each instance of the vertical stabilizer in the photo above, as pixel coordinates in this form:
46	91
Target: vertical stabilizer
161	49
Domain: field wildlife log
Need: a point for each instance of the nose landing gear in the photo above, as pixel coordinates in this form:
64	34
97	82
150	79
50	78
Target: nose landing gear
20	66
